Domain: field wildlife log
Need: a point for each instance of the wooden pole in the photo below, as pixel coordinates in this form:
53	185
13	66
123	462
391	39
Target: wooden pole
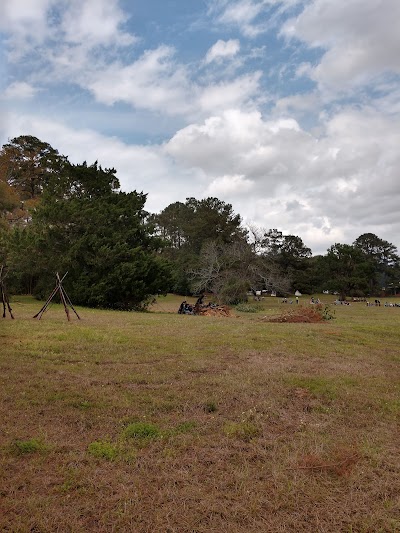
60	289
63	297
4	296
47	303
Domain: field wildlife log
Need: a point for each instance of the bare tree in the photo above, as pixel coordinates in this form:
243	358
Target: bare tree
231	270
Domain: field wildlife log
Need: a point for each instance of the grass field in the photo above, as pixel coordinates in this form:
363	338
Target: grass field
159	422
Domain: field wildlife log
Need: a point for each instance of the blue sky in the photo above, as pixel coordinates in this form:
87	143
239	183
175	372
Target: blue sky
287	109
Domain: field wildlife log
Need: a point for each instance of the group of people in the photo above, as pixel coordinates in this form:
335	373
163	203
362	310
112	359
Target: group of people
186	309
376	303
286	301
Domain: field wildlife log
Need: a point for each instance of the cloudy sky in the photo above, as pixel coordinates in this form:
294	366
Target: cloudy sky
287	109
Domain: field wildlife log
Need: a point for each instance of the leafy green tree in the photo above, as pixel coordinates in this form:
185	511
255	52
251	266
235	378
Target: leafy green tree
347	270
383	257
85	226
272	243
171	224
188	226
211	219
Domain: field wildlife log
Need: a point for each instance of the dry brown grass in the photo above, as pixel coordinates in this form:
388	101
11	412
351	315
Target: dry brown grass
256	426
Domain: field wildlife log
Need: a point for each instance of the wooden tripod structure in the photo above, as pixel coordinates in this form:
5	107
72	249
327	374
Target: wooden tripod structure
63	297
4	296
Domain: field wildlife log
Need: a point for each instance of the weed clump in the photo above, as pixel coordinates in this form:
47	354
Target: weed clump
244	430
142	431
103	450
210	407
22	447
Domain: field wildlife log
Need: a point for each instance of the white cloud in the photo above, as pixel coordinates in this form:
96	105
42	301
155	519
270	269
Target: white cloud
155	81
322	186
142	168
229	185
360	40
19	90
249	16
25	22
92	22
236	93
222	49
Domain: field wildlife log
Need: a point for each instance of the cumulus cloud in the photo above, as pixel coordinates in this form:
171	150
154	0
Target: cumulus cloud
223	95
139	167
155	81
360	40
26	24
94	22
328	181
229	185
222	50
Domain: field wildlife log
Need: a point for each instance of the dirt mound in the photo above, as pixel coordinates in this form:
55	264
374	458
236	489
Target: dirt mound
221	310
200	309
301	314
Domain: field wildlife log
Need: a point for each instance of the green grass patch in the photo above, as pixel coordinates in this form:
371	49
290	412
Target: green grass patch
142	431
103	450
24	447
321	387
183	427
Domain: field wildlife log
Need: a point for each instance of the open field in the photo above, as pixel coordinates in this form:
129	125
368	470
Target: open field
159	422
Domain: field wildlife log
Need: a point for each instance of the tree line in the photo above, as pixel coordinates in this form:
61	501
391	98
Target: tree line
56	216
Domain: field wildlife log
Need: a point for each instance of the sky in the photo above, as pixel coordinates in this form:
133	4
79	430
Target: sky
287	109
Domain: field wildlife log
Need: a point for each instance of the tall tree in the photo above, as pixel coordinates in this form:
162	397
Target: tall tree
26	164
211	219
383	257
171	224
86	226
188	226
347	270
